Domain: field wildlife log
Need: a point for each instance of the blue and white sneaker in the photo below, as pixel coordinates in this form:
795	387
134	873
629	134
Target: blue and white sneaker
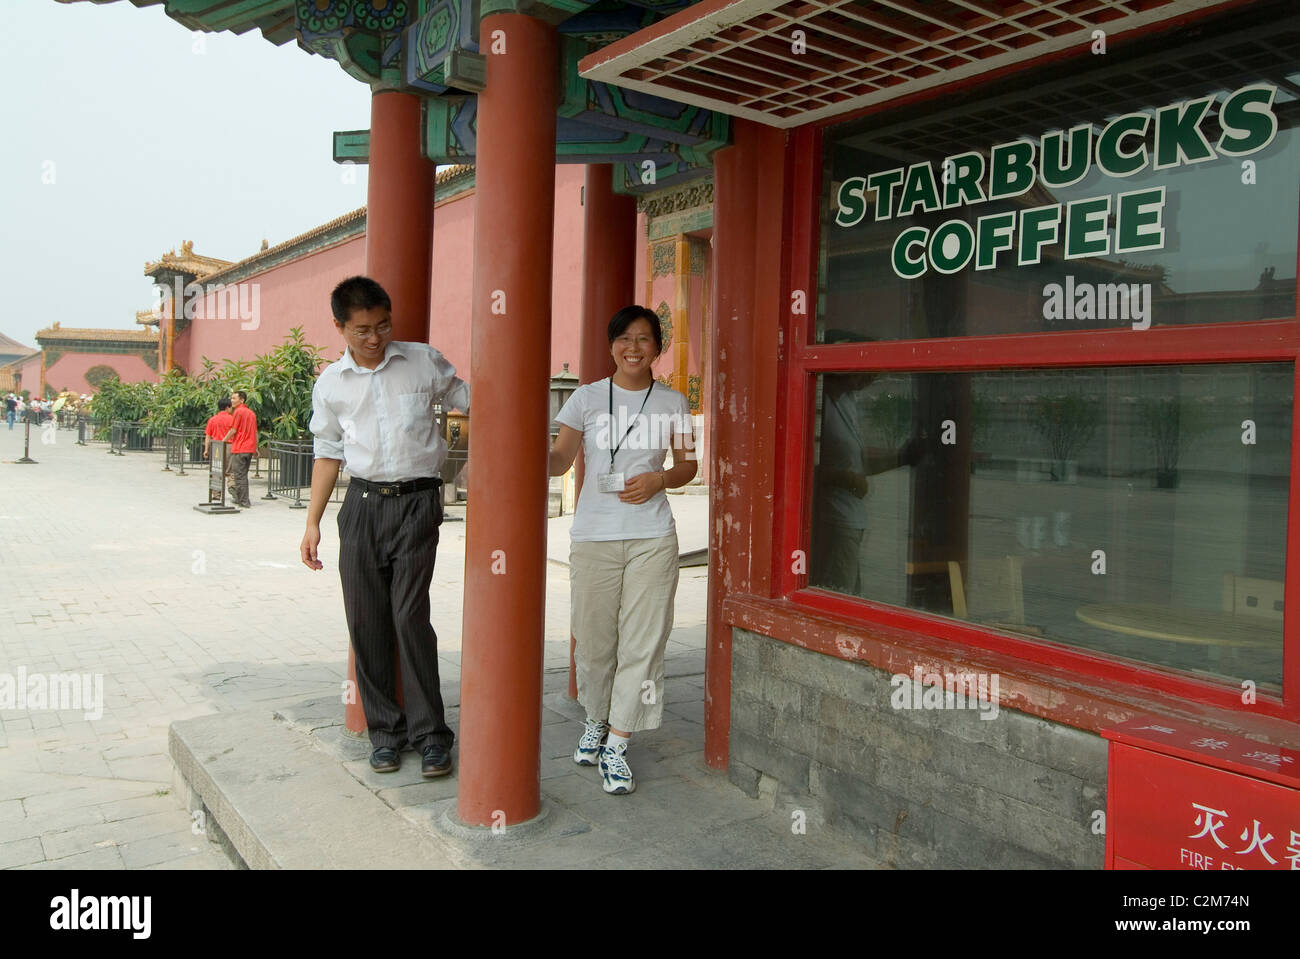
593	737
614	771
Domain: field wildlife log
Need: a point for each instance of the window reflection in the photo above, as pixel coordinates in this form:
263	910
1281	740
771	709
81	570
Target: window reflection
1136	511
1228	252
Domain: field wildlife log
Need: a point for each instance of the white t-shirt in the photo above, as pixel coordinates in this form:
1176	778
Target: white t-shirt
603	516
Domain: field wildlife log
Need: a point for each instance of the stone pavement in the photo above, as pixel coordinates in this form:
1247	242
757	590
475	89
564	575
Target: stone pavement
108	572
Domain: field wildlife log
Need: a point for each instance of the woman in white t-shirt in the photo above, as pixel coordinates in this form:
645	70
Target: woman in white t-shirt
623	557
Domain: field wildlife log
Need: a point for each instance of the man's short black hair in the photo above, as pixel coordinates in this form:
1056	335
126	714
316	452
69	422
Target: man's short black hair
357	293
223	404
243	397
625	317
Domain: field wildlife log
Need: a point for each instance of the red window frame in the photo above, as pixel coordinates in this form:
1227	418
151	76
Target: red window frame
803	360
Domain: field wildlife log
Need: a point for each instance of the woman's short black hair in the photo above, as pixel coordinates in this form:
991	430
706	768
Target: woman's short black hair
357	293
625	317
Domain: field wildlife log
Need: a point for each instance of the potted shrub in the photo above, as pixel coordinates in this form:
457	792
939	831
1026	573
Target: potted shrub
1067	421
1171	424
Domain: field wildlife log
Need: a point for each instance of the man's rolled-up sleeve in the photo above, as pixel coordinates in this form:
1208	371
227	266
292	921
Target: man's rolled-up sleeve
325	428
454	391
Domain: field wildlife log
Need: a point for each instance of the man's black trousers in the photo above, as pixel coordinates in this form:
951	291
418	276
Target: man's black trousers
387	546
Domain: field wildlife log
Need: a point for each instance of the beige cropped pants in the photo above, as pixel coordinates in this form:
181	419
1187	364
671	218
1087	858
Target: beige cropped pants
621	615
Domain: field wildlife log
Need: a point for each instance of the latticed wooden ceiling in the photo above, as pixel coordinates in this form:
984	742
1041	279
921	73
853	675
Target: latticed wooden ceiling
786	62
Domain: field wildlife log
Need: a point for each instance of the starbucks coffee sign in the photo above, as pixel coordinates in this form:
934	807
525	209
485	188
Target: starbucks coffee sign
1114	223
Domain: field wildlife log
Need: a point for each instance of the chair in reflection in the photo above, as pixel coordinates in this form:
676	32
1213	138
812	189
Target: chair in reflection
991	592
1247	596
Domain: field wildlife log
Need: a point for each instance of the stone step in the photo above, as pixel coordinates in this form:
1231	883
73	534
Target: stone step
282	802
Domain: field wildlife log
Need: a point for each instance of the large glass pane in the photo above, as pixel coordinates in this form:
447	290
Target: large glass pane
1136	511
1120	191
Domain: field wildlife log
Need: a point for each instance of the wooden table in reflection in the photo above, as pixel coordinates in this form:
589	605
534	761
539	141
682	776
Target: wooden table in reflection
1198	627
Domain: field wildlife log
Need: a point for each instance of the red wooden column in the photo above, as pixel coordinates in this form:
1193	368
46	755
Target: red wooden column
399	251
510	348
747	235
399	212
608	276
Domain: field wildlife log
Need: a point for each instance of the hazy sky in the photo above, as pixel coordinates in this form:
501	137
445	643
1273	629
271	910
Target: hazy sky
151	136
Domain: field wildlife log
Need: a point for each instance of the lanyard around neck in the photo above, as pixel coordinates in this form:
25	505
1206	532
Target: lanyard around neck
615	450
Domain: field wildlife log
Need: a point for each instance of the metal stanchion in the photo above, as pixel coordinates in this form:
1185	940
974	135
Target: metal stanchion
219	449
27	440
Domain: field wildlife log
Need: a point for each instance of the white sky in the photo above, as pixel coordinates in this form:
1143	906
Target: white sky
154	137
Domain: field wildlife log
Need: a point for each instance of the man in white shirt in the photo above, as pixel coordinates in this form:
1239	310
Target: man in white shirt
373	410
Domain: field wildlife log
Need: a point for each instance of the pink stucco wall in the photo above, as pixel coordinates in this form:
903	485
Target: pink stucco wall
453	274
69	371
297	293
294	294
29	375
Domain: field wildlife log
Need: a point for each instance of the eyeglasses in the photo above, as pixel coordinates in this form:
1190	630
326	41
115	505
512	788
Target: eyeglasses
363	332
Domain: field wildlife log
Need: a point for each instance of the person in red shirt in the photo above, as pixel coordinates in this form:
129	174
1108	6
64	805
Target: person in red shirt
243	432
219	424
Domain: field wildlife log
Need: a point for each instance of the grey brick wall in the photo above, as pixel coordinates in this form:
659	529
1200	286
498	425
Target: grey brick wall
917	787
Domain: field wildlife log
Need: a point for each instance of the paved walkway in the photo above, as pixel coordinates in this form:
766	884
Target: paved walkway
108	571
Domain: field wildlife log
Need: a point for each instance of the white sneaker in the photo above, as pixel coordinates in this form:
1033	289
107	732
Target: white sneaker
593	736
614	770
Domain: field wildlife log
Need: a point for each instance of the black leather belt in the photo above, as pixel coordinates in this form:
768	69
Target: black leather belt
397	489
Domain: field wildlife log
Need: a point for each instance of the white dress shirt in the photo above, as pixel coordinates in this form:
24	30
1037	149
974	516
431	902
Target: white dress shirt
380	422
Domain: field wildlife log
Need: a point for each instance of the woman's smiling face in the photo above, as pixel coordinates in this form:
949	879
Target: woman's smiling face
634	349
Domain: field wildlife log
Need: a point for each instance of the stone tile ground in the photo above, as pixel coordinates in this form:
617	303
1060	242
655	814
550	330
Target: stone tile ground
107	570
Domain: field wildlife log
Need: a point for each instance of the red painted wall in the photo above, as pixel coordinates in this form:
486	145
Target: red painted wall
294	294
69	372
453	273
29	375
297	293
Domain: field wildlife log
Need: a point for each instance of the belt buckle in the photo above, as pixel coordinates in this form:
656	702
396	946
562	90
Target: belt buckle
389	491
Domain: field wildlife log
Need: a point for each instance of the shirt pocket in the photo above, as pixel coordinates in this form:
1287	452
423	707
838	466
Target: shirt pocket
415	411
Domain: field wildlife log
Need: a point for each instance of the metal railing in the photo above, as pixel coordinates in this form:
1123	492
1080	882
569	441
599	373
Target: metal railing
289	468
128	436
184	447
95	431
288	472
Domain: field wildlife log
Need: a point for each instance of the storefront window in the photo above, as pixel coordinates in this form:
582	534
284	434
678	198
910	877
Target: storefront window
1138	511
1127	191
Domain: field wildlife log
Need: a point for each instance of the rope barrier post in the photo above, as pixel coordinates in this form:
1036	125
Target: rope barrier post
27	440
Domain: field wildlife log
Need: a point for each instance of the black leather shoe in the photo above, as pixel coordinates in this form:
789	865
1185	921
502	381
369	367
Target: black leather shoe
436	761
385	760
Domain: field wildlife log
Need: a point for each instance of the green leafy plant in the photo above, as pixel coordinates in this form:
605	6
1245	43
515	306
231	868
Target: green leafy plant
279	387
1171	424
116	400
278	384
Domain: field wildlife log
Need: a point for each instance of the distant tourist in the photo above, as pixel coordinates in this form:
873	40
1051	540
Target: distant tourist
373	409
243	439
11	409
623	558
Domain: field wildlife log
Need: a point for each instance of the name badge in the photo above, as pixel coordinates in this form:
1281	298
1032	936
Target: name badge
610	482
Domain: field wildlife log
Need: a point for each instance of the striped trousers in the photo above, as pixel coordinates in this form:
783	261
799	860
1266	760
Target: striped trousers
387	547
